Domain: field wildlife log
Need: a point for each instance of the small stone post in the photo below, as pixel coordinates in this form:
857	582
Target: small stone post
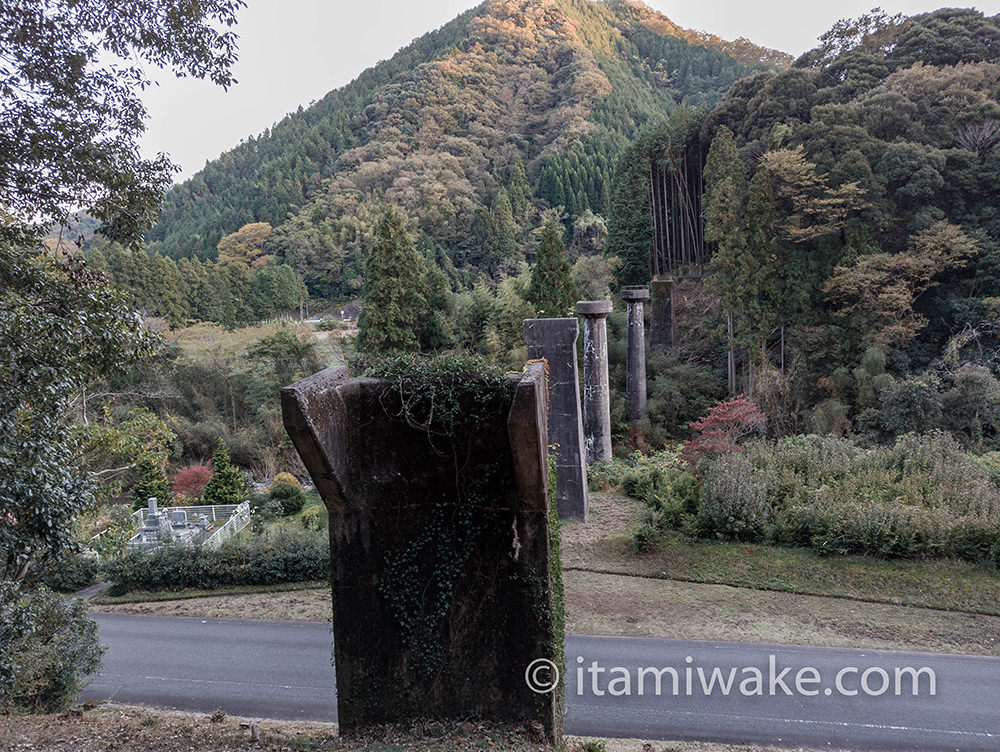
596	393
635	363
555	340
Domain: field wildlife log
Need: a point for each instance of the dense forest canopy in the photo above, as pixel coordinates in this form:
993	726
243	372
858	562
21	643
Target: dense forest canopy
850	208
514	108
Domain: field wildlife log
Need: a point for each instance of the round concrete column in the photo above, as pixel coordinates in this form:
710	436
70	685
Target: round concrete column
635	364
596	394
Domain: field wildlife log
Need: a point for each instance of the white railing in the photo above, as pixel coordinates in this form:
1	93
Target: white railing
238	520
214	512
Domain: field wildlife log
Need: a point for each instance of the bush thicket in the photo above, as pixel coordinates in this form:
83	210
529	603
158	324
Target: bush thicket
289	496
48	649
283	556
924	496
70	575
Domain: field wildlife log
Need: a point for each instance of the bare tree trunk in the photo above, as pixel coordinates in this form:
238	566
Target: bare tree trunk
654	210
782	349
673	315
732	358
666	222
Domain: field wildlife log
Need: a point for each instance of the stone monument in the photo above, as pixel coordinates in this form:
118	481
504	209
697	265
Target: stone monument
555	340
441	573
596	392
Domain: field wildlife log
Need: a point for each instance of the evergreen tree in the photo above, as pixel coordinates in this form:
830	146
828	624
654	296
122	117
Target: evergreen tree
437	330
762	260
552	290
152	485
394	300
630	226
519	190
725	196
98	262
227	485
168	296
500	250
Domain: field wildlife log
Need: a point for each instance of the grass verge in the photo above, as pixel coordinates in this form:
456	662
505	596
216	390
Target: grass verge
604	545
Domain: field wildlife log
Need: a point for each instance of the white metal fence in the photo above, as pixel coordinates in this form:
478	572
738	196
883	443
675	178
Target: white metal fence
233	518
238	520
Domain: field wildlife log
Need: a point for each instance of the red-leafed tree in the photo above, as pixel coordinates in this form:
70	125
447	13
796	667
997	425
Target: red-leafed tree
190	481
723	428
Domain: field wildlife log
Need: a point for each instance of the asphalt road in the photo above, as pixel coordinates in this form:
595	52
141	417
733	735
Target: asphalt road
283	670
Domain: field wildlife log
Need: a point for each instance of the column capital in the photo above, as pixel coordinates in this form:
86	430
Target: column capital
594	308
635	293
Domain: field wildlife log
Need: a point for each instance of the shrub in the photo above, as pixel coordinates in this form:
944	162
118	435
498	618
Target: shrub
289	496
734	502
48	648
72	574
286	479
914	404
191	480
972	405
315	518
283	556
662	481
227	485
263	510
328	324
922	497
723	428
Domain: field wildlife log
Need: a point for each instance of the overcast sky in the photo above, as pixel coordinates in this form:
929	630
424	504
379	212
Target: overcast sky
292	52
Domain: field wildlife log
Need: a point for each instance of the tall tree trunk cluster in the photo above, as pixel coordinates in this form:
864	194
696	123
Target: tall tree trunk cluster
675	189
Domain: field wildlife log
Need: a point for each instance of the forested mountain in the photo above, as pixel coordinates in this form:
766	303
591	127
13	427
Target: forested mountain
851	221
513	108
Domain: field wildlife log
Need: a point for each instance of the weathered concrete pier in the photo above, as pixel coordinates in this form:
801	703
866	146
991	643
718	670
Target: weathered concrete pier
596	391
555	340
635	364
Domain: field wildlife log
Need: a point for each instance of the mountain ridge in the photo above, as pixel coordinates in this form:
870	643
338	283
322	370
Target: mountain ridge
559	85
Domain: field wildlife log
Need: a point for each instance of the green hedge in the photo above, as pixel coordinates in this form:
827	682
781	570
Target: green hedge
70	575
265	560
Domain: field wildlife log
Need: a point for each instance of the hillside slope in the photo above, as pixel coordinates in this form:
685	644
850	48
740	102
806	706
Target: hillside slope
514	107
